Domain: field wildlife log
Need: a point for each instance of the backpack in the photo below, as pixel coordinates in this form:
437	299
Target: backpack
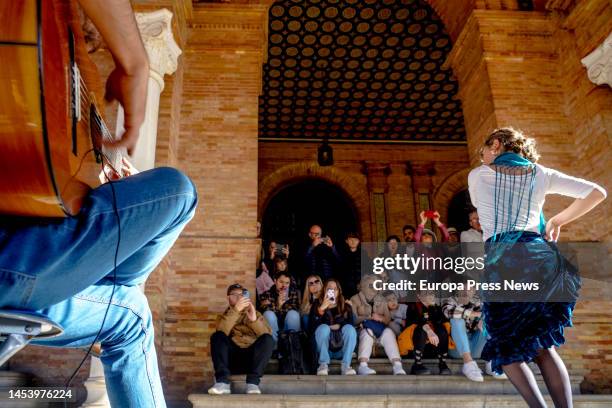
290	353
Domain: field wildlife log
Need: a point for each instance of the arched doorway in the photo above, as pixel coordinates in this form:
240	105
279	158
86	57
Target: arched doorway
459	210
293	209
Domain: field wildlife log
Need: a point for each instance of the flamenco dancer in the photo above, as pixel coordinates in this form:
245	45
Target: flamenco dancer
509	190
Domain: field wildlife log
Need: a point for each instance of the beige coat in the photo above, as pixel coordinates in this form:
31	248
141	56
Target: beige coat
237	326
369	301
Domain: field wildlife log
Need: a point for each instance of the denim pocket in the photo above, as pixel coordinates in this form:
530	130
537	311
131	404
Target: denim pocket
15	288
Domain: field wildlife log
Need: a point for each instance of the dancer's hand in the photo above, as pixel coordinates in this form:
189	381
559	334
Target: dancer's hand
553	230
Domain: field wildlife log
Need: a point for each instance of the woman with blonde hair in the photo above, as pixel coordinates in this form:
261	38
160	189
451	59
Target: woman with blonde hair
312	291
509	190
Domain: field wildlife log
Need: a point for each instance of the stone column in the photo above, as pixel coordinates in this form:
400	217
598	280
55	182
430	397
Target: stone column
599	63
156	31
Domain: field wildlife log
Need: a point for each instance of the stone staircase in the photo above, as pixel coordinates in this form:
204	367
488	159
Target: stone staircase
385	390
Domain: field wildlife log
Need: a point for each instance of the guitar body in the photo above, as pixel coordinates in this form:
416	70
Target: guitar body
49	120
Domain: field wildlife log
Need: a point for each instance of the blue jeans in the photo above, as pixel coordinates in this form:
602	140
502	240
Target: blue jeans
473	342
64	269
292	322
349	335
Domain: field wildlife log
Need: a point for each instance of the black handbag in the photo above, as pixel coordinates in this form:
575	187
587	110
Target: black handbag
336	342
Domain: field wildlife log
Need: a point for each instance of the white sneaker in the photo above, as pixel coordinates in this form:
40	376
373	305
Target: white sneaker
398	369
347	370
490	372
363	369
219	389
471	371
253	389
323	369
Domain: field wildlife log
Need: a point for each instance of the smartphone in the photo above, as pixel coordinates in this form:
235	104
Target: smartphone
429	213
246	293
325	239
278	251
331	295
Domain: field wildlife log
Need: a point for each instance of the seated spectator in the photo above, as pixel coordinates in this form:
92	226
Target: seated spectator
398	313
426	325
331	321
425	235
463	311
275	250
353	259
314	286
321	257
372	314
474	234
408	233
242	343
453	235
281	305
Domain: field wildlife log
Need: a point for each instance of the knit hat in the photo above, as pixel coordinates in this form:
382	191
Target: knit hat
429	232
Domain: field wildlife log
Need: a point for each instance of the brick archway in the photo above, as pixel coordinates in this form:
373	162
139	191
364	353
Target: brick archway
453	184
355	189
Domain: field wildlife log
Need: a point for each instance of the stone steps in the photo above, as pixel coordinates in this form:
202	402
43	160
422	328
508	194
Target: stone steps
381	401
11	380
383	384
383	366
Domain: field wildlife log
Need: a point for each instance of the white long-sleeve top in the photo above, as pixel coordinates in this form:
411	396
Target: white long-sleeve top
481	182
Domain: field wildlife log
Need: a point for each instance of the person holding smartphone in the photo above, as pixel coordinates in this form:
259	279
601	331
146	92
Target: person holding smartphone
280	305
331	320
243	343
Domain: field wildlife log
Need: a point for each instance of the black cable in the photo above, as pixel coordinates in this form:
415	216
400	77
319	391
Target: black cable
116	211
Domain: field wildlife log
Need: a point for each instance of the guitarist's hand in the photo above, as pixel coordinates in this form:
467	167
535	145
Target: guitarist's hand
115	21
130	90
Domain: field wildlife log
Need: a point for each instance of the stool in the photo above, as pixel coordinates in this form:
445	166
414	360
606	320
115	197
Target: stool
19	327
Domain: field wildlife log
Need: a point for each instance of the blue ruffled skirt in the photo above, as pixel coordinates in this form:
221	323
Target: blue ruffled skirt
518	330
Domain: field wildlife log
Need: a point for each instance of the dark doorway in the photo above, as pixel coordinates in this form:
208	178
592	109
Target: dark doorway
296	207
459	211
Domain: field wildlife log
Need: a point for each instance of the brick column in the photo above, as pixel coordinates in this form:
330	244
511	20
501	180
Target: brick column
378	187
218	150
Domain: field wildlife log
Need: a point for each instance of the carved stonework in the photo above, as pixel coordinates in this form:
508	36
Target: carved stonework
599	63
156	31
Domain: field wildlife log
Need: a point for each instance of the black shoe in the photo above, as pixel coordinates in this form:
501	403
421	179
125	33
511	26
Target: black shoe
419	369
444	370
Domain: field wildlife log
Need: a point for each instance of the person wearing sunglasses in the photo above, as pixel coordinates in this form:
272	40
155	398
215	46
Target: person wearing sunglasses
314	286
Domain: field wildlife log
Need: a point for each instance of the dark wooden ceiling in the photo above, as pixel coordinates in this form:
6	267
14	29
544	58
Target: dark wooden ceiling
357	71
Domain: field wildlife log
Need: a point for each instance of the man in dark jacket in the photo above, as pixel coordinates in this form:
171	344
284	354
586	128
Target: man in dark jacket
321	258
354	260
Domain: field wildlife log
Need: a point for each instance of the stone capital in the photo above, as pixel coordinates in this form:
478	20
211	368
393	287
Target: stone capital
163	51
599	63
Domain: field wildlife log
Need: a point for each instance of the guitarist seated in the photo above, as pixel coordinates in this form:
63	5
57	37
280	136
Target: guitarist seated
64	268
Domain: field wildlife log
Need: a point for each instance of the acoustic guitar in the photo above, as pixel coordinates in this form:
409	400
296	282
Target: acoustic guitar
51	125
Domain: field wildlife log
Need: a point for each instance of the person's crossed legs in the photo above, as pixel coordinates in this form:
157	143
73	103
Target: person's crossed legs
65	268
